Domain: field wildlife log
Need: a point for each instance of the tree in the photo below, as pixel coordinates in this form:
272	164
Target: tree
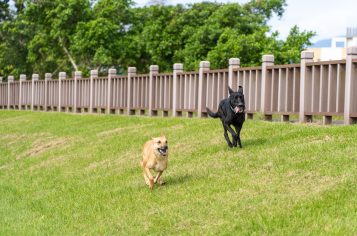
4	10
288	51
164	35
55	24
96	42
67	35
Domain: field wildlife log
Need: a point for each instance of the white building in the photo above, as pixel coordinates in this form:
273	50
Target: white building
334	48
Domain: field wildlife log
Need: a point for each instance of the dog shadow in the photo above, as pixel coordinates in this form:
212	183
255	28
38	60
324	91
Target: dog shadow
175	180
254	142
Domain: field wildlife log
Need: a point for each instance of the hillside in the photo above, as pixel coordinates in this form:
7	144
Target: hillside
80	174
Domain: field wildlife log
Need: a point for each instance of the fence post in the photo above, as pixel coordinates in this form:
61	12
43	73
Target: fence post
22	79
34	78
77	75
154	70
111	74
131	74
61	76
48	76
306	57
93	75
234	63
268	60
10	79
178	68
204	67
350	84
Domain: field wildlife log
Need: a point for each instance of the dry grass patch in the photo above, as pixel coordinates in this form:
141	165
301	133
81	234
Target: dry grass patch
42	145
121	130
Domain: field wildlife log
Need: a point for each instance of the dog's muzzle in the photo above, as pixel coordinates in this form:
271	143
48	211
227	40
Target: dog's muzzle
163	150
238	109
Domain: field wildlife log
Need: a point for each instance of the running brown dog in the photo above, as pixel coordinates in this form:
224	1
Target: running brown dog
155	157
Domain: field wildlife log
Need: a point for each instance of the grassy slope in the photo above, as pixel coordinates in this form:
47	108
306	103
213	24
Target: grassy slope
79	174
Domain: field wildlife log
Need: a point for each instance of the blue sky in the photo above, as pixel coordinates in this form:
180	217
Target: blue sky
328	18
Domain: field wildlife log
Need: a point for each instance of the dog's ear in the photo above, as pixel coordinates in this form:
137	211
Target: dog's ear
230	90
240	89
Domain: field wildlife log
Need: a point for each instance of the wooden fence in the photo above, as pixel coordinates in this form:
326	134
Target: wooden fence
310	88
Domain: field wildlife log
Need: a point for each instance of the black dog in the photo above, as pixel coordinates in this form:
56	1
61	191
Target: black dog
231	112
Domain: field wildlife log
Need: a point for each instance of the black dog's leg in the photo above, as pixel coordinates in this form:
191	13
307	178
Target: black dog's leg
226	136
238	129
234	135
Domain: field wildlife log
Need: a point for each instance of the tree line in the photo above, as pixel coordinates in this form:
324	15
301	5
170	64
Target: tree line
39	36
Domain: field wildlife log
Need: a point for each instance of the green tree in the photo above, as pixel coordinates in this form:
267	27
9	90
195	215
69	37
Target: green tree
4	10
164	35
14	36
97	42
67	35
288	51
55	24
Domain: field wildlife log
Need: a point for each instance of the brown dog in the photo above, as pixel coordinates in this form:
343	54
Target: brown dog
155	157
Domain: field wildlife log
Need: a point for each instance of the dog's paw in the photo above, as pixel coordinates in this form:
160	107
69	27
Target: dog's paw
151	183
162	182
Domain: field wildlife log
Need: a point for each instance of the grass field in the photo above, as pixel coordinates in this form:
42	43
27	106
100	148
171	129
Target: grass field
80	175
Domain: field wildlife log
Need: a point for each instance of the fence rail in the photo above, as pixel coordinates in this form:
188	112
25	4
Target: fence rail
326	88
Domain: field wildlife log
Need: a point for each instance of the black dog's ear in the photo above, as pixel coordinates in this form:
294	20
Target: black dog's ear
240	90
230	90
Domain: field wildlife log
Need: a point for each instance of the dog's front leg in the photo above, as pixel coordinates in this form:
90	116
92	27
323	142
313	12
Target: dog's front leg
234	135
158	178
226	136
151	178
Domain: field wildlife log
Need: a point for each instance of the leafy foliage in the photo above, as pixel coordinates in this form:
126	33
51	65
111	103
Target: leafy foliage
66	35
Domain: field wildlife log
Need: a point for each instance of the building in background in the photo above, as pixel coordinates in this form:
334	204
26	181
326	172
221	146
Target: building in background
334	48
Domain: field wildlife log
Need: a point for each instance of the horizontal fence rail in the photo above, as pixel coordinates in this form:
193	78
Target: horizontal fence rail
326	89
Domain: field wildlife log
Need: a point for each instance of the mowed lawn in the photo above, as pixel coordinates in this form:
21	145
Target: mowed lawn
65	174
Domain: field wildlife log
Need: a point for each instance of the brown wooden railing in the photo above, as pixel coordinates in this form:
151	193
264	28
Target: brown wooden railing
327	89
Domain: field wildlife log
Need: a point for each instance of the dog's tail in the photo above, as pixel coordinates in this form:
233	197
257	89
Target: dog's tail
212	114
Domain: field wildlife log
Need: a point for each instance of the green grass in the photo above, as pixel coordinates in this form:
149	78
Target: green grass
80	175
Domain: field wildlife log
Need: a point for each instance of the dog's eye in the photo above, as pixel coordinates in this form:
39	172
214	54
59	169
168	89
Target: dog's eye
166	142
159	142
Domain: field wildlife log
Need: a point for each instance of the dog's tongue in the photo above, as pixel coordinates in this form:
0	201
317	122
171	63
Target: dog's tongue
236	109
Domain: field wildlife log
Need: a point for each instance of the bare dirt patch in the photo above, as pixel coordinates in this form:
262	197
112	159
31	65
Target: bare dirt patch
119	130
43	145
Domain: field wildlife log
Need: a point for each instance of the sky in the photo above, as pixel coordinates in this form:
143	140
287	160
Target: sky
327	18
